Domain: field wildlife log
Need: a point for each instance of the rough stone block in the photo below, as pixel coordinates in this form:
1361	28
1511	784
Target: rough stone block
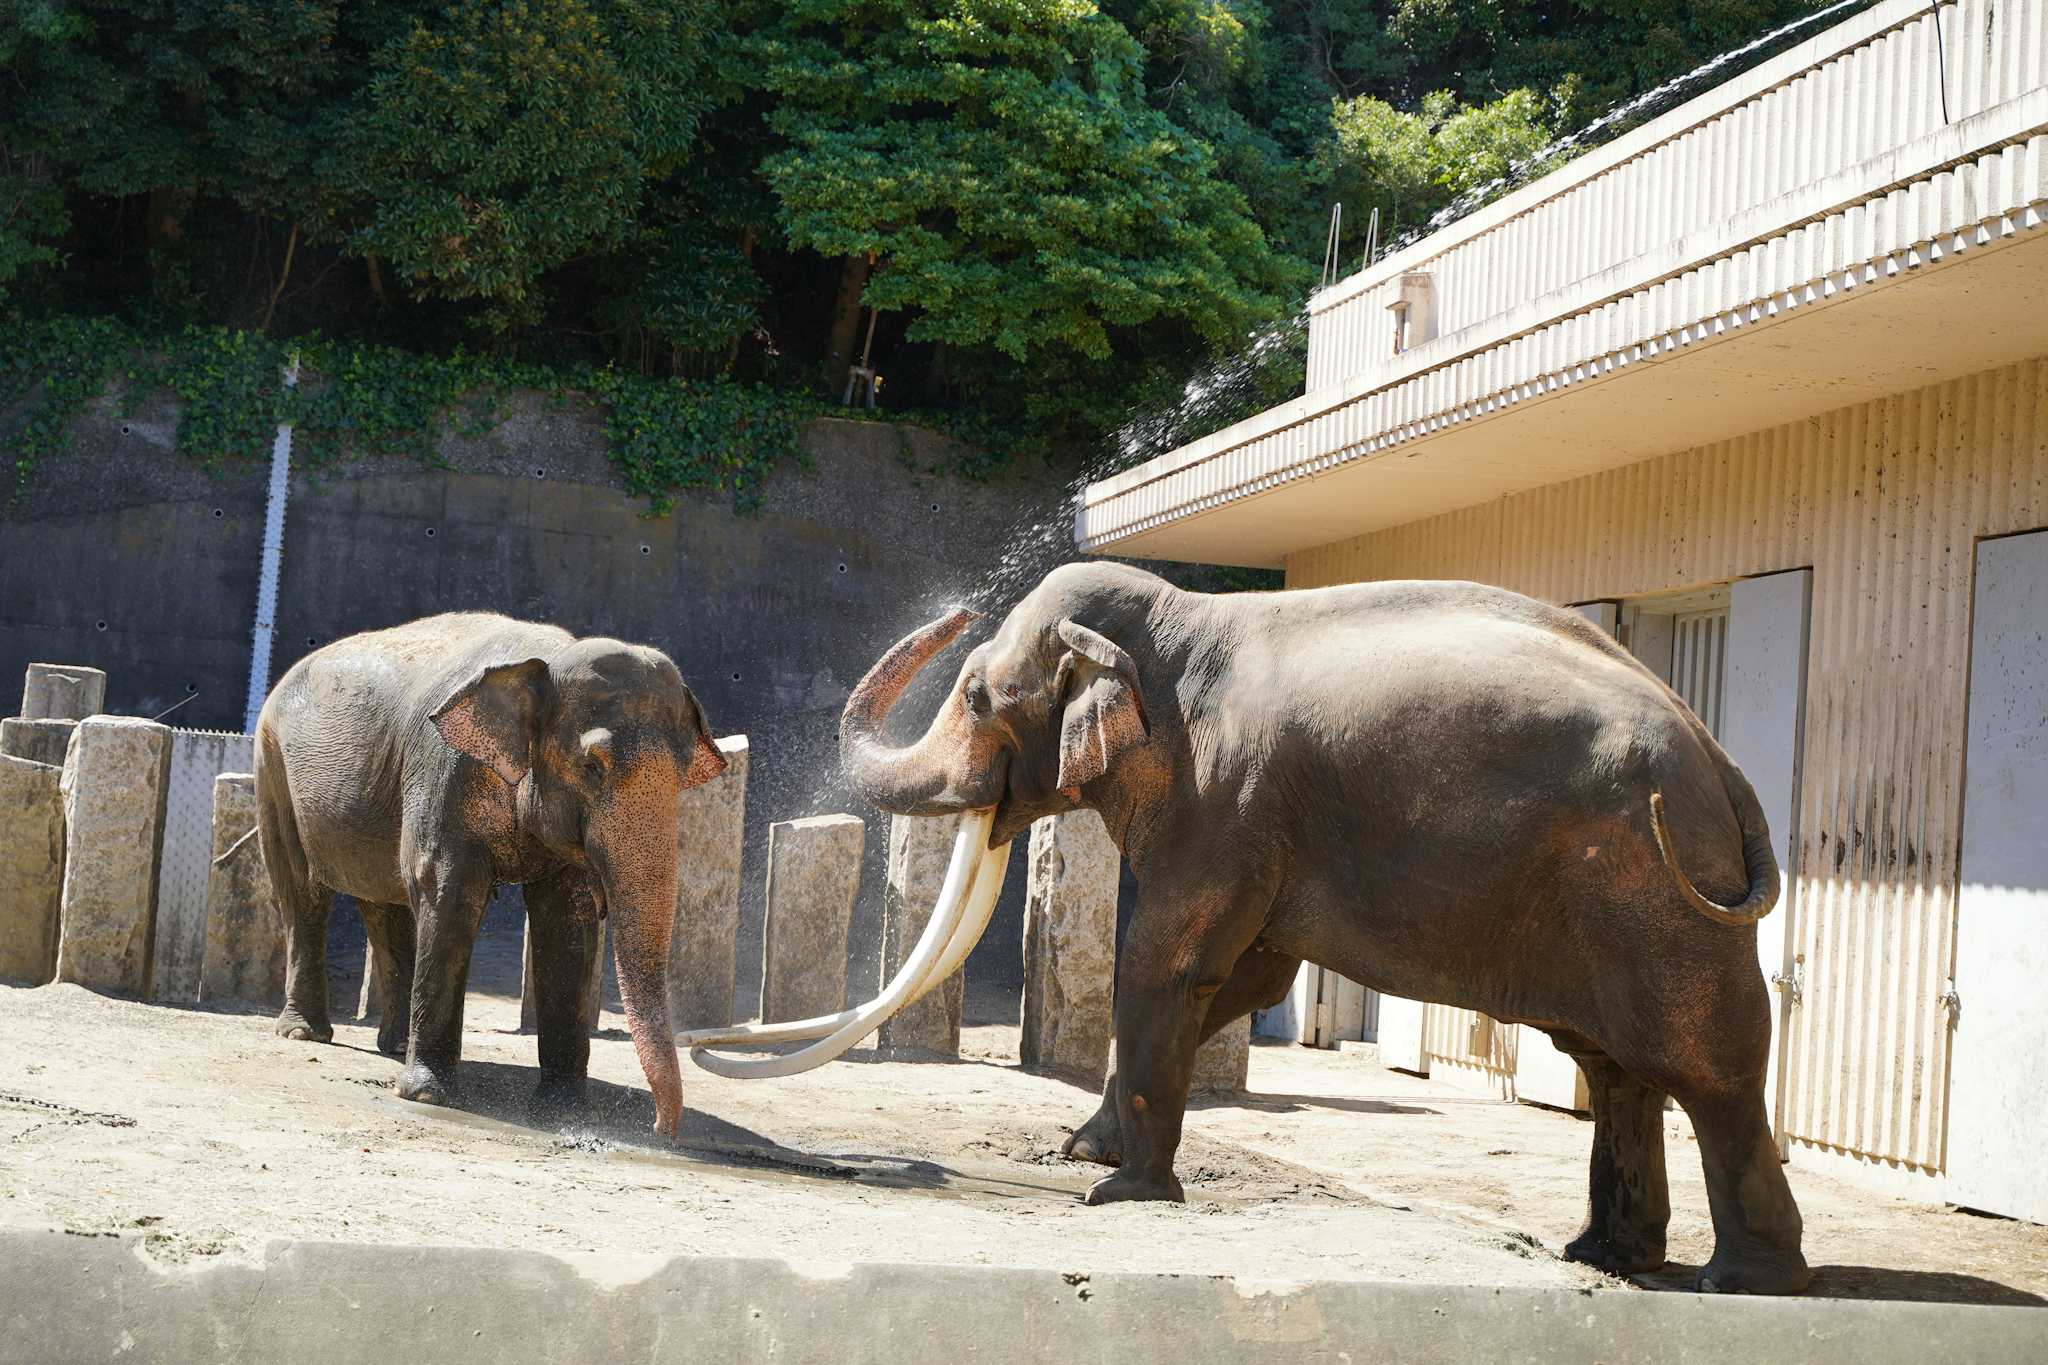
1223	1063
114	784
243	953
31	869
63	692
813	876
40	741
703	949
1070	946
920	847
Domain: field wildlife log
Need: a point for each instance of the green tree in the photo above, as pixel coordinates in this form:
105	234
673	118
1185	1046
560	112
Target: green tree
998	164
503	140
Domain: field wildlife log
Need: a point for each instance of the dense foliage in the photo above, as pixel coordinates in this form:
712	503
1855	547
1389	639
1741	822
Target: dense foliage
1050	212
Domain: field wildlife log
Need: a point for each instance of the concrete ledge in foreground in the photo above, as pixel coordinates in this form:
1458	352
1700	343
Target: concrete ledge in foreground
73	1298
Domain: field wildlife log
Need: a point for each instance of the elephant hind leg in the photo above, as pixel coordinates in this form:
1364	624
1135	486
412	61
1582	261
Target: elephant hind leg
389	929
302	903
1628	1203
1259	980
1757	1227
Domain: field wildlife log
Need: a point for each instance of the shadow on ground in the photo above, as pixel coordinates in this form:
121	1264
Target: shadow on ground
1871	1282
618	1122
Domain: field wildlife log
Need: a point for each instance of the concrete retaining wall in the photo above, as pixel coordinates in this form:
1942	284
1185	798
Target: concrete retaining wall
86	1298
122	557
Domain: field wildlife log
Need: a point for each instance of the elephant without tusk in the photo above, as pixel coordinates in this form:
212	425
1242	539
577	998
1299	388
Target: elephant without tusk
1445	791
417	768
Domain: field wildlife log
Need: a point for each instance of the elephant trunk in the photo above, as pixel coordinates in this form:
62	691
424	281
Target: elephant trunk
932	776
642	908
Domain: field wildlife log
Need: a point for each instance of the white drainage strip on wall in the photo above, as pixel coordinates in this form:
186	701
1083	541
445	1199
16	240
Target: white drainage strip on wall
273	558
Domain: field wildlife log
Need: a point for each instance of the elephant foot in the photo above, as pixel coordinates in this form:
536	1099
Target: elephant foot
1128	1186
1100	1140
419	1083
1625	1256
1774	1272
297	1027
558	1100
393	1038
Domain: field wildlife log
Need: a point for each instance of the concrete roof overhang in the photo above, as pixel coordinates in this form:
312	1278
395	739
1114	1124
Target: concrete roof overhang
1967	312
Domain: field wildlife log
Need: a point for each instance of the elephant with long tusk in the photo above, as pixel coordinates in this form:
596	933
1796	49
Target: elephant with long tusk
1445	791
967	900
419	767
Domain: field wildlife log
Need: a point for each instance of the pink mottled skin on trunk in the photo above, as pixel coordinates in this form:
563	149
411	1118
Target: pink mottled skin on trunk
633	846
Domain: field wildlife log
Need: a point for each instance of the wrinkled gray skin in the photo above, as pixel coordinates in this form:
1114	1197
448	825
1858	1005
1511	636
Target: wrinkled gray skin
420	767
1441	790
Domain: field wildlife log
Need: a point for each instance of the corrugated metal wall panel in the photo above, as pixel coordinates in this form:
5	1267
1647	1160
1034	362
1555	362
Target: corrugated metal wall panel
1885	501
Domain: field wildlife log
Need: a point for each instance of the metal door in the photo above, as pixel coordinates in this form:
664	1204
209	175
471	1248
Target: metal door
1998	1075
1762	704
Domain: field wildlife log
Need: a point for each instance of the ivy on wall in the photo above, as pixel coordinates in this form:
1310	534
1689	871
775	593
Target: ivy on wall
665	436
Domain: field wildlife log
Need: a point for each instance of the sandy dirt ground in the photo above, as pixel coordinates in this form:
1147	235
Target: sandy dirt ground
200	1133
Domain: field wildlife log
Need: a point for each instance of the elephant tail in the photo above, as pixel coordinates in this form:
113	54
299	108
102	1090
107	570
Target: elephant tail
1758	860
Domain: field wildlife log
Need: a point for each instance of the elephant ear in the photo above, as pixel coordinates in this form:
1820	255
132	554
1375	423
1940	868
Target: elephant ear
496	716
703	762
1098	686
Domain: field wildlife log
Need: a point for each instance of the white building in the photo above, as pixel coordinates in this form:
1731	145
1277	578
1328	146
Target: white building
1763	387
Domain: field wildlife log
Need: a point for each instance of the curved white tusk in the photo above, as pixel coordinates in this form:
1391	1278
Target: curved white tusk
981	908
973	869
823	1025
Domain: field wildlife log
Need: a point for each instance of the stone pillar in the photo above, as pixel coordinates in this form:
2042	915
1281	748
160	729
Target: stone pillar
40	741
703	950
63	692
242	957
1070	946
1224	1061
31	869
920	847
813	876
114	785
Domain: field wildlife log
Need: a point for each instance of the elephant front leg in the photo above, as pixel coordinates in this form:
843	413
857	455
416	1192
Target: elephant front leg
1259	980
562	918
1179	955
449	894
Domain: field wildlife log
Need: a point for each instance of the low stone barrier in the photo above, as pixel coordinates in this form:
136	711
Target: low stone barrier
114	785
813	877
31	869
102	1298
242	957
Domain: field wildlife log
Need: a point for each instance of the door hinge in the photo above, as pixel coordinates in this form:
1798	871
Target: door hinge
1792	984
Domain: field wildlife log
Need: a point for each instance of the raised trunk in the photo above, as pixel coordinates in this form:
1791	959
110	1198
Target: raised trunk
931	777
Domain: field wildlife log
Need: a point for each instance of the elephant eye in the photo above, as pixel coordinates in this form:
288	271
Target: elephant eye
593	768
977	696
